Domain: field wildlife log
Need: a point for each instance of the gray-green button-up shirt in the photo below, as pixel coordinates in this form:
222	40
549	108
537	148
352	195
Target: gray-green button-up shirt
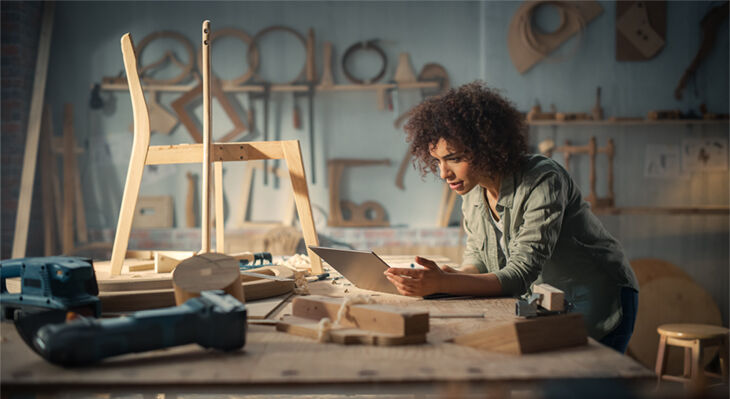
552	237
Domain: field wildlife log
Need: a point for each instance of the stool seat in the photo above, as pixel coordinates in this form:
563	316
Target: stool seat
692	331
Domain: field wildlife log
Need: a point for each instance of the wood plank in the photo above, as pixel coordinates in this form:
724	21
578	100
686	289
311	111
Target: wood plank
207	136
137	158
47	158
293	155
346	336
530	335
226	152
25	196
378	318
220	221
69	180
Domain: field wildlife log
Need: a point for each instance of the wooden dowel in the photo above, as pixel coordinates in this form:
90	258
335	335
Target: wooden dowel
207	120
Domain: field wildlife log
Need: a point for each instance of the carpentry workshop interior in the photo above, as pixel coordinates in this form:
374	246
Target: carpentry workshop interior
406	199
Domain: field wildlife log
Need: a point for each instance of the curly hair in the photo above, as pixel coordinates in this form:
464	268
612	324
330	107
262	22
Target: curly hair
474	119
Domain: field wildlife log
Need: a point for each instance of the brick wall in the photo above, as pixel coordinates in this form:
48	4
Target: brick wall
21	23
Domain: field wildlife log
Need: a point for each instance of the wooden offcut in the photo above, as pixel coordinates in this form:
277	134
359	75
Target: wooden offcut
553	299
210	271
153	212
371	317
530	335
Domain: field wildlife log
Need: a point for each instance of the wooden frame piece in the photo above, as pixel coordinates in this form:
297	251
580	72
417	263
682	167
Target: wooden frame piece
22	218
358	212
144	154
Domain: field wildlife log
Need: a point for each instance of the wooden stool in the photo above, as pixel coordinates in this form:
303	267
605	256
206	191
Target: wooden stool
694	338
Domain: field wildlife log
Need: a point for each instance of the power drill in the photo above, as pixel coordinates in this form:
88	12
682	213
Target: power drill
213	320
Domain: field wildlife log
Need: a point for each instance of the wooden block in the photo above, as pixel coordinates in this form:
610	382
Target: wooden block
379	318
142	267
530	335
209	271
153	212
346	336
552	298
167	261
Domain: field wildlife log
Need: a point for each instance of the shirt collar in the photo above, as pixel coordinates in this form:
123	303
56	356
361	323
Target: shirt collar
507	191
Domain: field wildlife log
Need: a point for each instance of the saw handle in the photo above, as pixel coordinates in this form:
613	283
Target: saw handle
8	270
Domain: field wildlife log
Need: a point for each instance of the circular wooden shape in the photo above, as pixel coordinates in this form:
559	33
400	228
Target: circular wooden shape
669	300
433	72
650	269
188	67
366	45
254	44
252	52
692	331
204	272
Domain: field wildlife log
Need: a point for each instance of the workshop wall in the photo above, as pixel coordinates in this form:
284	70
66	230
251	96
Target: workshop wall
470	40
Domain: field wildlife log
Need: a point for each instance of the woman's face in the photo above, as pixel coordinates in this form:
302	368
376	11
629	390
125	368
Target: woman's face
454	167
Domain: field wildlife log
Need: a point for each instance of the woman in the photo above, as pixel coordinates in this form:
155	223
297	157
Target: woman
526	220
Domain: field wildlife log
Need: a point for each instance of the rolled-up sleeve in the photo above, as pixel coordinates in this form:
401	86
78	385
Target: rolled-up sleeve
534	241
474	247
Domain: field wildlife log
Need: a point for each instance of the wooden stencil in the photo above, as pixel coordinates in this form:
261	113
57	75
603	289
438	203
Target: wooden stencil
359	213
641	29
153	212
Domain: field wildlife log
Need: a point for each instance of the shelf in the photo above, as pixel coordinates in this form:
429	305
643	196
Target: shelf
642	122
655	210
279	88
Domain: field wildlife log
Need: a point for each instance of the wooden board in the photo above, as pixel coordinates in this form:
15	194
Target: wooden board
25	196
158	293
669	300
530	335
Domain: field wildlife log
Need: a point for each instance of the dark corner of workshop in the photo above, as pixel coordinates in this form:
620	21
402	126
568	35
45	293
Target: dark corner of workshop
364	199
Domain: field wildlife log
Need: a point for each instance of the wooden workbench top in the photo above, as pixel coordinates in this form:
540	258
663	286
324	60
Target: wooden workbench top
271	357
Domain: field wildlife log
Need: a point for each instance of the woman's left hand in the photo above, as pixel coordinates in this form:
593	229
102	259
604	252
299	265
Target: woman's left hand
417	282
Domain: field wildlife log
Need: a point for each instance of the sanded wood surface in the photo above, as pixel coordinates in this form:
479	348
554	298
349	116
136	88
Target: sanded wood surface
271	357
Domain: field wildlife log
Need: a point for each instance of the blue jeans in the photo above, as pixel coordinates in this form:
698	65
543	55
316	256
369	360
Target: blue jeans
618	339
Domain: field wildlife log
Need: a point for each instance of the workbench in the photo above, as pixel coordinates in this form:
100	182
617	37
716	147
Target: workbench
278	363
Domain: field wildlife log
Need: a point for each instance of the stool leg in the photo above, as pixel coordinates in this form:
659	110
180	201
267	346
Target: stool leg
724	358
687	362
698	373
661	359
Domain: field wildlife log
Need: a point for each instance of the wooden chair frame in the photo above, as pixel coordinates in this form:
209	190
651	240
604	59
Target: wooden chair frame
217	153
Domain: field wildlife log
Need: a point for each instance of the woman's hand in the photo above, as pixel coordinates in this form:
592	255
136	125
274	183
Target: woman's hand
418	282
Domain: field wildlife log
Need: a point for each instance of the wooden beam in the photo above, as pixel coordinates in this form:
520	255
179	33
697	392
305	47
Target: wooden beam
47	160
226	152
69	179
137	158
25	196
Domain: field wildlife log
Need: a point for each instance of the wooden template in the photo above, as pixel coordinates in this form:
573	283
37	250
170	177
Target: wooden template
153	212
25	195
641	29
327	80
144	154
358	213
404	71
531	335
527	46
161	120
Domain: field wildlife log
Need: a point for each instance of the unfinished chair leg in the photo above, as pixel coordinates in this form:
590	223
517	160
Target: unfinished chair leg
220	245
698	372
293	156
137	159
